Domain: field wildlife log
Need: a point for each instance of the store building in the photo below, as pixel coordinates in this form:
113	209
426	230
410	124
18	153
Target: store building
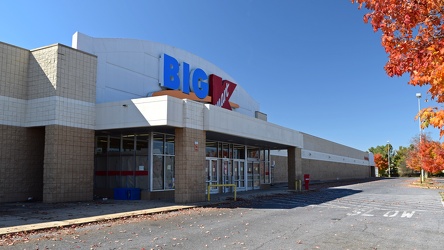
78	122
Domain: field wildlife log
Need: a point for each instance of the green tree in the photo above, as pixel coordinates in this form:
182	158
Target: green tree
385	151
400	161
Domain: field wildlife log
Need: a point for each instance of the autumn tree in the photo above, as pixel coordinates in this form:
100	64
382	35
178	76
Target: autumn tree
380	157
426	154
413	38
381	163
400	161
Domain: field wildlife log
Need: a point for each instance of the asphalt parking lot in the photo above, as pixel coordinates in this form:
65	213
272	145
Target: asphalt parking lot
379	214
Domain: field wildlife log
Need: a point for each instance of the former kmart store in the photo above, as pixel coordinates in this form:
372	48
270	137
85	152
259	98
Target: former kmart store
78	122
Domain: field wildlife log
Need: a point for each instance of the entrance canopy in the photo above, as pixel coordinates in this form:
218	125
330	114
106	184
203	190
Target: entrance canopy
219	124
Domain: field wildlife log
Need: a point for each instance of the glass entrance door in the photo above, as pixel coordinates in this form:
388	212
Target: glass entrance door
213	174
239	174
256	176
253	176
227	174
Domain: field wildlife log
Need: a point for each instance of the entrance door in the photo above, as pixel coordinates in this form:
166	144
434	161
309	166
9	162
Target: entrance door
256	176
239	174
227	174
253	176
213	174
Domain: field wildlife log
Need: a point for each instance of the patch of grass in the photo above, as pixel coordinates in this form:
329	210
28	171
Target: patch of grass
442	195
428	183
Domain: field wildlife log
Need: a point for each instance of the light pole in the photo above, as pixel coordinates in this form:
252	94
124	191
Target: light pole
388	157
418	95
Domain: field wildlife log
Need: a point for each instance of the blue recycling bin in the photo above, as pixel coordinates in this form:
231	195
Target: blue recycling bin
126	193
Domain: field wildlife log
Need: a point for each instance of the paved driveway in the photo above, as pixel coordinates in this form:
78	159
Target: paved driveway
383	214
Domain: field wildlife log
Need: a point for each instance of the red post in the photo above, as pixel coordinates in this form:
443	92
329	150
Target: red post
306	180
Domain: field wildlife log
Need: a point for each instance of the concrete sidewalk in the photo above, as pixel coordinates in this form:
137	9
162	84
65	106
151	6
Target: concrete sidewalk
29	216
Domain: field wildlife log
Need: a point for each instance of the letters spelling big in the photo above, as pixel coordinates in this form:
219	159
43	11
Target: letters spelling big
195	80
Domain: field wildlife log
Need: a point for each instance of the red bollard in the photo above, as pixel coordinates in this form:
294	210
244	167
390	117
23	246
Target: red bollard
306	180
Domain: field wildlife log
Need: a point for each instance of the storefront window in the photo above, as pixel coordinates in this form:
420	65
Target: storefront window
211	149
163	162
169	144
238	151
225	150
158	141
101	144
121	161
114	144
158	175
127	143
265	167
142	144
253	153
169	172
219	150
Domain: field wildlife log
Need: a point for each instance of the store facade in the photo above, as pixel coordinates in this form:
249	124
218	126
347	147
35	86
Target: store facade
80	122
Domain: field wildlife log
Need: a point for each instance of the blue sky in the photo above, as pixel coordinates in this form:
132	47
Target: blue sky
313	66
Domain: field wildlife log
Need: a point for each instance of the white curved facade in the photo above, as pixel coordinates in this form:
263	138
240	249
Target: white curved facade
129	69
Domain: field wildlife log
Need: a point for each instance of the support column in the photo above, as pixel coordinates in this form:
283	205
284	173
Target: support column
68	164
294	166
190	176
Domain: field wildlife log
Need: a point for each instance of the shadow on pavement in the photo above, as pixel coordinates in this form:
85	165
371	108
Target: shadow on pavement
291	199
319	193
278	196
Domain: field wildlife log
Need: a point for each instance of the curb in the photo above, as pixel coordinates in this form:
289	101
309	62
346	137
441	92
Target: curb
65	223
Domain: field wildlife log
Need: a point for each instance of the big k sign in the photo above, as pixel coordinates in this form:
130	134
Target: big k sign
180	76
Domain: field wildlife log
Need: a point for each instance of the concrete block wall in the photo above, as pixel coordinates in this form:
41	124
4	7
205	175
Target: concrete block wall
62	71
20	177
47	119
13	84
21	163
13	72
61	88
280	170
42	74
68	164
320	170
190	165
313	143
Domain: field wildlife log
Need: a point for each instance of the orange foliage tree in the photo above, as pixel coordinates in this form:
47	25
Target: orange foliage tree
427	154
380	162
413	37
